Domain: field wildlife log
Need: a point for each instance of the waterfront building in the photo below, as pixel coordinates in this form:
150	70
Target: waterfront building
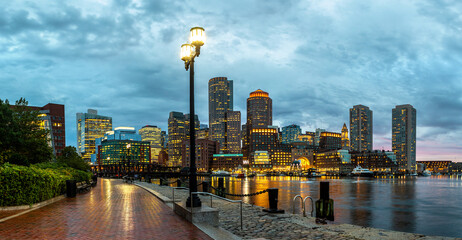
226	162
52	118
153	135
126	152
90	126
436	166
220	102
330	141
333	162
404	136
123	145
361	127
233	132
205	149
261	161
267	139
308	137
376	161
290	133
345	139
304	155
455	168
176	136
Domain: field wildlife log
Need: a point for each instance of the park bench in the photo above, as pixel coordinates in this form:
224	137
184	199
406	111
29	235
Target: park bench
128	179
83	186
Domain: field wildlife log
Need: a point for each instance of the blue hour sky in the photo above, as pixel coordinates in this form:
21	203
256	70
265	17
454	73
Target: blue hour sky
315	58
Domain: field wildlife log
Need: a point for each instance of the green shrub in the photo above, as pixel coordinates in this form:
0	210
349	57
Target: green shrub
21	185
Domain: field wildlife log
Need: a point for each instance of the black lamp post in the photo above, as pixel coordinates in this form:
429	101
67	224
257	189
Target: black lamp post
188	53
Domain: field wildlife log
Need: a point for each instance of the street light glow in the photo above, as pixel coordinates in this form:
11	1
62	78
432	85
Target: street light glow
186	52
197	36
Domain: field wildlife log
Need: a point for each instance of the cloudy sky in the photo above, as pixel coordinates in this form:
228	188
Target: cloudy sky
316	59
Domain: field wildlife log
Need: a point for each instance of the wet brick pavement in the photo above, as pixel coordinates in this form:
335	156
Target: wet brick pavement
112	210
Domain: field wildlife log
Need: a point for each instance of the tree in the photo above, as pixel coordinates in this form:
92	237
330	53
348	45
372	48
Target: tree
71	158
22	140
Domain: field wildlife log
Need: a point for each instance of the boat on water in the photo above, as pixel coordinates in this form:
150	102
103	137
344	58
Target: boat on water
221	173
362	172
426	173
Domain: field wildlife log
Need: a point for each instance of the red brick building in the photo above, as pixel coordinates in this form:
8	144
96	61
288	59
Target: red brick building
204	153
53	119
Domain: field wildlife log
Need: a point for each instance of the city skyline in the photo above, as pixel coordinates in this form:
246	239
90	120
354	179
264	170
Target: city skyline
314	75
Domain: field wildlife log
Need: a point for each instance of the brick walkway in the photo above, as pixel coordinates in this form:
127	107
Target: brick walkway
112	210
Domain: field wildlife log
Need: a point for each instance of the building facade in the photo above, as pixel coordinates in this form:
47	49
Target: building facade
205	149
376	161
90	126
259	110
404	136
52	118
153	135
330	141
290	133
220	102
361	128
233	132
226	162
176	136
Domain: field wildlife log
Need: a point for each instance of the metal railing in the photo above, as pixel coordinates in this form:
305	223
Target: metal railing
303	202
221	198
173	192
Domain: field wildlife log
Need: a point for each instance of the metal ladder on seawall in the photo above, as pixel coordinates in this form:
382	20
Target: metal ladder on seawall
303	202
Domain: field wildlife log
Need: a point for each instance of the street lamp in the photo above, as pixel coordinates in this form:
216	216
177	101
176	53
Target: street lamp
188	53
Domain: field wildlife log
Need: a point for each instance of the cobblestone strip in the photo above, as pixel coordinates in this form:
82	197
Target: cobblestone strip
262	225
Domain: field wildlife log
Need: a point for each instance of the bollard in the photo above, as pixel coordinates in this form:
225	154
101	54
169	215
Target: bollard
273	201
205	186
95	180
325	205
161	182
221	187
71	188
178	183
221	182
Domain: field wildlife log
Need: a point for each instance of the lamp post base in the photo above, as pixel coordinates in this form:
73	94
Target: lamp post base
196	201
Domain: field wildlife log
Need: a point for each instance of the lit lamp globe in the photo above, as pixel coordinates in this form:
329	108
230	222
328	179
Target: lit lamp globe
186	52
197	36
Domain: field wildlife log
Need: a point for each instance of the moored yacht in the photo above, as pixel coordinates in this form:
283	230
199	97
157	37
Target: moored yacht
362	172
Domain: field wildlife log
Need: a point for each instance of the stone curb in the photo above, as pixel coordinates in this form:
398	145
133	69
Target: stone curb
29	208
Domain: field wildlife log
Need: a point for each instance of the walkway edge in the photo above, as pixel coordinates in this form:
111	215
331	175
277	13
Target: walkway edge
30	208
213	232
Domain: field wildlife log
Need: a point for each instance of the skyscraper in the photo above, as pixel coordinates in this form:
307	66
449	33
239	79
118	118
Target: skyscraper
404	136
220	102
176	136
290	133
178	131
345	139
259	110
361	128
259	115
233	132
153	135
90	126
